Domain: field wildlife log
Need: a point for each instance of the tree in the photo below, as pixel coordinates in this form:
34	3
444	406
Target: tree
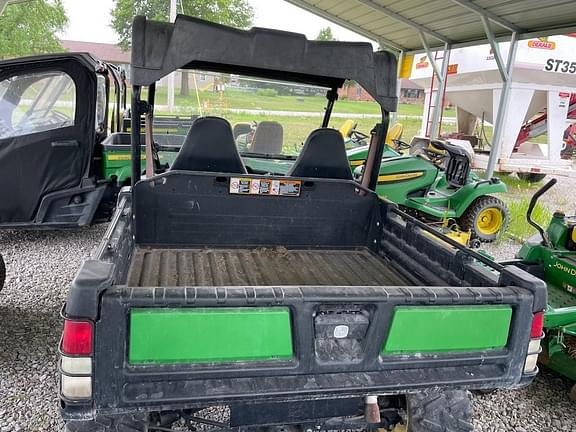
31	28
236	13
325	34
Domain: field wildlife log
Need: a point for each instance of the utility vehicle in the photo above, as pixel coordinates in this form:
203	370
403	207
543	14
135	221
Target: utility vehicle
54	117
302	300
551	256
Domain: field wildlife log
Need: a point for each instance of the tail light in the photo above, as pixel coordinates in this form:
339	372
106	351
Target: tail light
77	338
534	349
537	325
76	349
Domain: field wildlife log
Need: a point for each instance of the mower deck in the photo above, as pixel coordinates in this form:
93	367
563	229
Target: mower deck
559	298
260	266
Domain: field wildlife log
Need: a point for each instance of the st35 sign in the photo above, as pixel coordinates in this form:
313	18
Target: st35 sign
559	65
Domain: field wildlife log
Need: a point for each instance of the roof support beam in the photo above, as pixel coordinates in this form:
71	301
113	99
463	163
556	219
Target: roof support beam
353	27
495	47
468	4
441	76
396	16
429	54
502	106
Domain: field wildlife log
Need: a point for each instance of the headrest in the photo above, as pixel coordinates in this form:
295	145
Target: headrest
209	146
268	138
323	156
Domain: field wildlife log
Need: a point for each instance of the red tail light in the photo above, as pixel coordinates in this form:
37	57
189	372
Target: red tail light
77	338
537	325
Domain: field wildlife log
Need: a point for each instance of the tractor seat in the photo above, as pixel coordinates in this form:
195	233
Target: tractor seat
323	156
209	146
268	138
458	167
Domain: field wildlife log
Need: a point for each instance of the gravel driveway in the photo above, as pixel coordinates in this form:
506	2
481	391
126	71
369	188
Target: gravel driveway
40	268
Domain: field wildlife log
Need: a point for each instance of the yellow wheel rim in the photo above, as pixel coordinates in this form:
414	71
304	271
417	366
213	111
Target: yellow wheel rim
489	221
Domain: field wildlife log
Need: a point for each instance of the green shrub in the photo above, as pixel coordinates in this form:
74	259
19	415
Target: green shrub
267	92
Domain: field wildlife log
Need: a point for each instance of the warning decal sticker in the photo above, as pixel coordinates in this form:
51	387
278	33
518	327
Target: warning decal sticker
264	186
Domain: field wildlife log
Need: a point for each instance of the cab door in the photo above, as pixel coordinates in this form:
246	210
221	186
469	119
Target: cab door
46	133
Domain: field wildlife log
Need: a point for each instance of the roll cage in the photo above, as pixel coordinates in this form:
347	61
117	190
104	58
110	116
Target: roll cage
159	48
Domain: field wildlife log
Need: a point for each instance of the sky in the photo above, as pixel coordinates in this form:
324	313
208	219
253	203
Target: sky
89	20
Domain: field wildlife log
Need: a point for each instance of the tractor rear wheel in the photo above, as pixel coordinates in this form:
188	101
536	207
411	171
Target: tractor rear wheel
486	217
439	411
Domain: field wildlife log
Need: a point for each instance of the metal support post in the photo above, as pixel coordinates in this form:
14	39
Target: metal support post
441	75
171	84
504	95
394	115
437	114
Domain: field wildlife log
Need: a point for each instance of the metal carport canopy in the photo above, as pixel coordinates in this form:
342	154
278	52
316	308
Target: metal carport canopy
408	26
397	24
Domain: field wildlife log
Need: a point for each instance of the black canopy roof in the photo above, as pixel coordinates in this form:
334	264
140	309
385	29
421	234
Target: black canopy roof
87	59
159	48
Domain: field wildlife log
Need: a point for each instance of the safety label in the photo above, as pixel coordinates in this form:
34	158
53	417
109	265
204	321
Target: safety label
264	186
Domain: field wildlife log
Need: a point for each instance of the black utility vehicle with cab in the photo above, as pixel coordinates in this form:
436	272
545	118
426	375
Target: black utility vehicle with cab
53	118
301	300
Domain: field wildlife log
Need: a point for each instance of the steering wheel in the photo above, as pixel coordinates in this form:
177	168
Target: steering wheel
358	138
400	145
57	115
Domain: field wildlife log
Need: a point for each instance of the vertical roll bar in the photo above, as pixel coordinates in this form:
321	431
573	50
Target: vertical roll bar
135	135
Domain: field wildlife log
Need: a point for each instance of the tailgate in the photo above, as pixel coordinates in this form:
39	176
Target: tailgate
205	345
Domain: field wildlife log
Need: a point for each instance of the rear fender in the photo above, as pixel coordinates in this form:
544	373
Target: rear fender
462	199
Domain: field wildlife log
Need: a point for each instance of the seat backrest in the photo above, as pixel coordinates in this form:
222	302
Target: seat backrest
209	146
394	133
346	128
458	166
268	138
323	156
241	128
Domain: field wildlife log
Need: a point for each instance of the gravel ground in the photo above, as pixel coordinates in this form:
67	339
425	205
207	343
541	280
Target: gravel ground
40	267
42	264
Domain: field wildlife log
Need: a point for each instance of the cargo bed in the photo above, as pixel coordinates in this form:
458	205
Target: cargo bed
260	267
212	297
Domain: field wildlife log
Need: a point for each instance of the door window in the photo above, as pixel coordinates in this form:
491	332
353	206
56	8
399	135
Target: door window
36	102
101	104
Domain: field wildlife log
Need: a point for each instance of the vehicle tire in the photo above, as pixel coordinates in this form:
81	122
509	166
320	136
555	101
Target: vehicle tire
486	218
439	411
531	177
2	272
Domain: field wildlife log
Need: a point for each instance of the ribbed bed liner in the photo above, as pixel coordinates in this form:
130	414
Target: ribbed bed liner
260	267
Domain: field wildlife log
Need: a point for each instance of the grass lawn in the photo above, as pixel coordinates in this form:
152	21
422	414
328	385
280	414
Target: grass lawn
235	99
296	129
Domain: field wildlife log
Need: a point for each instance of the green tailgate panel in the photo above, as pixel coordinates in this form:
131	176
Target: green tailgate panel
209	335
437	329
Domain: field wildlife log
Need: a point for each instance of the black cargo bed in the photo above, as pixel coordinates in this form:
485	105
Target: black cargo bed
260	267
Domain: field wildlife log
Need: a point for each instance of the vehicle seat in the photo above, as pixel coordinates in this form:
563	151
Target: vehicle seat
268	138
394	133
458	168
241	128
323	156
209	146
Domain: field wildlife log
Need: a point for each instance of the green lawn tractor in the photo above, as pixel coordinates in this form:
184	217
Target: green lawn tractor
437	190
551	256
